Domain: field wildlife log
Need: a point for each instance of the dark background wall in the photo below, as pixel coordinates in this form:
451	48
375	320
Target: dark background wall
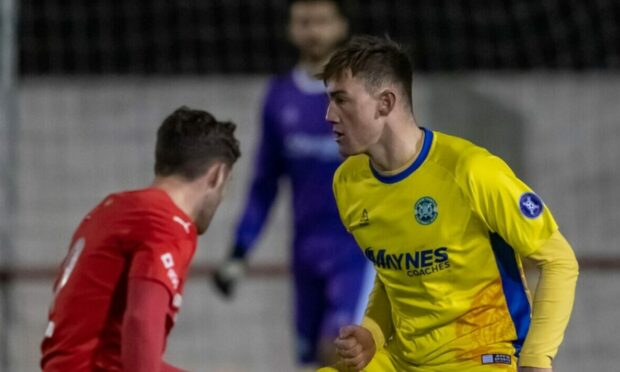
246	36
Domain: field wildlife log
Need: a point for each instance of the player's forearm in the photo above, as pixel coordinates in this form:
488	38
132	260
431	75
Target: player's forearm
264	187
378	317
139	351
260	200
553	301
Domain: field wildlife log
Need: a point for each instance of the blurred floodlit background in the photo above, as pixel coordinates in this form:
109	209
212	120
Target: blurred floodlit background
86	84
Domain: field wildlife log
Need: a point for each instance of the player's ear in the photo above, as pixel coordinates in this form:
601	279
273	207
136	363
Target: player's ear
387	101
217	175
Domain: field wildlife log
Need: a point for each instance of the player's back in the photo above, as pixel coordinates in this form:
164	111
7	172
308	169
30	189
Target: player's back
84	330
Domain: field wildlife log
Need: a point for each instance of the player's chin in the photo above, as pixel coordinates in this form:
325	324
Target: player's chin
346	149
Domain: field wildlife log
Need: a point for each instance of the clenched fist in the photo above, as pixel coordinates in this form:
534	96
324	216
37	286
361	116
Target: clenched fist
355	346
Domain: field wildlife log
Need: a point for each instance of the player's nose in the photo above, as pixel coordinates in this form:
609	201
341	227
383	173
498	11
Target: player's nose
330	114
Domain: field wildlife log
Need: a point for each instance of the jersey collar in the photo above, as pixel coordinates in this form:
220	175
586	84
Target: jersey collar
393	178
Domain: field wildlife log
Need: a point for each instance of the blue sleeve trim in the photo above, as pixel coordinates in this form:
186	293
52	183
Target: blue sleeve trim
514	289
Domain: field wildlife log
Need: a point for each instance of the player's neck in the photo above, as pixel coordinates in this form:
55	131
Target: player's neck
180	192
399	146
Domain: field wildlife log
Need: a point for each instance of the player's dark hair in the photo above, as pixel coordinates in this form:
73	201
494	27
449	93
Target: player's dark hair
341	5
189	141
373	59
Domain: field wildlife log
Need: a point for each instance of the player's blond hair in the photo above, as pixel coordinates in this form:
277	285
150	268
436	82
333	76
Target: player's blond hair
375	60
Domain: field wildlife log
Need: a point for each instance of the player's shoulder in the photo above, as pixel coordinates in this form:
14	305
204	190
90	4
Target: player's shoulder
462	157
152	210
466	161
148	200
279	82
353	168
297	81
277	89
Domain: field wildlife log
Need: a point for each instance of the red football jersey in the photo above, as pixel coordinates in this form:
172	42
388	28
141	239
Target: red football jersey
134	234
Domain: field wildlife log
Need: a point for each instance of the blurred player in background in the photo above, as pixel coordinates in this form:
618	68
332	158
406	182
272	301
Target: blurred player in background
328	269
119	288
445	224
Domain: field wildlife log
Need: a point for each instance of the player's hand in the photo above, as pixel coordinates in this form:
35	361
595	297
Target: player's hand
535	369
355	346
225	277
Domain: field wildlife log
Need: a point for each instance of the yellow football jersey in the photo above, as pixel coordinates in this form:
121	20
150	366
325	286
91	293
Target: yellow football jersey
445	235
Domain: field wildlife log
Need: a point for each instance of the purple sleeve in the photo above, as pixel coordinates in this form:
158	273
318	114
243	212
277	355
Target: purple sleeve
268	167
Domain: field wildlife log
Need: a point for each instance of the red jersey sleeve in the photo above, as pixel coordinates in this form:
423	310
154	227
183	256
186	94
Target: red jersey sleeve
144	326
156	263
162	253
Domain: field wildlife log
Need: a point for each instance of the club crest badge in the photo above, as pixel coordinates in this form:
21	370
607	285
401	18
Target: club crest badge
425	210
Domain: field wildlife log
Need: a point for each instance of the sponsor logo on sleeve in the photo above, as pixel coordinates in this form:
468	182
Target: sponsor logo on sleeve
49	331
168	262
177	301
531	205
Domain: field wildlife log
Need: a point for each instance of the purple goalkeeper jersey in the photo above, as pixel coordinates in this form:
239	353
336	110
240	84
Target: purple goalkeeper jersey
297	143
